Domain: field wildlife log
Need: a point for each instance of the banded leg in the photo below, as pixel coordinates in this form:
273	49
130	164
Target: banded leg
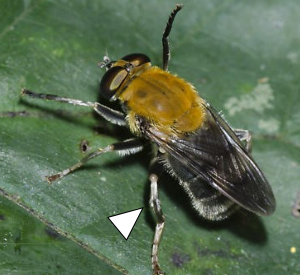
245	135
155	171
126	147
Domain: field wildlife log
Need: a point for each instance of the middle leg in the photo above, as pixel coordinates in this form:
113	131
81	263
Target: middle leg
126	147
155	172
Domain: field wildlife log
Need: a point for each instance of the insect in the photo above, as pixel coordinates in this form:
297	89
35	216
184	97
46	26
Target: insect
192	141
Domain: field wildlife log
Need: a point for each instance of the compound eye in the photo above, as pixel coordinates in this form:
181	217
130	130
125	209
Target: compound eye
112	81
136	59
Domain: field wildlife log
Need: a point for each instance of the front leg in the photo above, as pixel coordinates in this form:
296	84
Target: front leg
109	114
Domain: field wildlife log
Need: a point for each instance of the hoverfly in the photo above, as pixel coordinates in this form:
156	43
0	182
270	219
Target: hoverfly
192	141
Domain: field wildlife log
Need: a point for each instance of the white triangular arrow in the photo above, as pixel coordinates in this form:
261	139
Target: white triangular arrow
125	222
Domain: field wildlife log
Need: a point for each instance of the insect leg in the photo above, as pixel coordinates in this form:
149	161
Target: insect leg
245	135
126	147
165	41
109	114
155	171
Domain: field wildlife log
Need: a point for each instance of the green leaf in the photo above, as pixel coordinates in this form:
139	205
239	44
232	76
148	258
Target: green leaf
243	57
30	247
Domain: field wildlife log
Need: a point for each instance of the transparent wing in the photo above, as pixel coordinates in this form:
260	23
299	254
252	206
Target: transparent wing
216	154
